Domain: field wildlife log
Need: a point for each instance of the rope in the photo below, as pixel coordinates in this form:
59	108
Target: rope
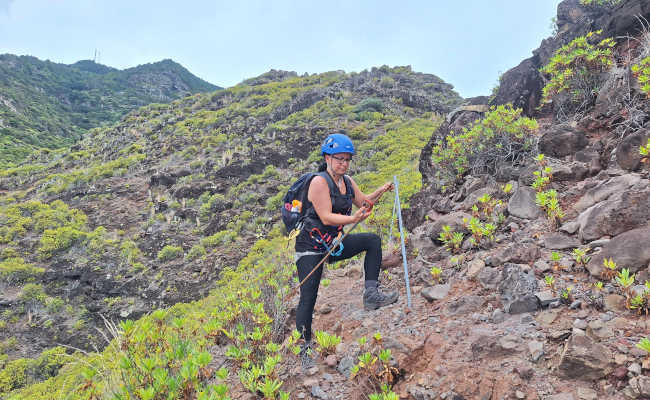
329	251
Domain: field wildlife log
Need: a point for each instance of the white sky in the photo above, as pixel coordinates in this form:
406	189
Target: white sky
466	43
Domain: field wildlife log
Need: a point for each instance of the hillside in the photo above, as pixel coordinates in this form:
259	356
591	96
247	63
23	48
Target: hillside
527	237
49	105
150	212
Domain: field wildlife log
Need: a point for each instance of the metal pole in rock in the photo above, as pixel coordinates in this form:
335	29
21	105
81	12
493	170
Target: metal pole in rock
392	218
401	235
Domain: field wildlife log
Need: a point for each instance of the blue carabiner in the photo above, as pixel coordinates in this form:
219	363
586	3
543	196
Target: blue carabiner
337	252
324	242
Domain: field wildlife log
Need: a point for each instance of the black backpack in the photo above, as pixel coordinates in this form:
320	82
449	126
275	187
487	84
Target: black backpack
294	202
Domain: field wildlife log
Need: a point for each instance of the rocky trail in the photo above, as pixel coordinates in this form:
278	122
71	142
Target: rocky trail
491	331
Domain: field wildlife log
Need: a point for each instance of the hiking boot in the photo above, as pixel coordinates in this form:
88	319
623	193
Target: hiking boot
306	356
373	298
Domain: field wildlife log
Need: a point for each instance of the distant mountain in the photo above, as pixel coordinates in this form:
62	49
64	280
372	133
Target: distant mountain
45	104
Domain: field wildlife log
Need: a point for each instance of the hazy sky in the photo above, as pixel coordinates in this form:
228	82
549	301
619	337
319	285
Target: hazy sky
467	43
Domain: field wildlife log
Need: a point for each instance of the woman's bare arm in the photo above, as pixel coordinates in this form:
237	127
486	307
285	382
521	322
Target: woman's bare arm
319	196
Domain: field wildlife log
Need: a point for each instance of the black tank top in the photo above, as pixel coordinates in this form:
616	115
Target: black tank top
314	229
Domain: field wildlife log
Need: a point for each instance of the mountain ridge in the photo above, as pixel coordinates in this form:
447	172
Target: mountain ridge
49	105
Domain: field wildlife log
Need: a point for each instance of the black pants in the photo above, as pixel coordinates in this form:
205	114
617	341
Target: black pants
353	244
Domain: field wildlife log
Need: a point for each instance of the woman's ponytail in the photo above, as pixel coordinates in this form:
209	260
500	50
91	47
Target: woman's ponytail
322	167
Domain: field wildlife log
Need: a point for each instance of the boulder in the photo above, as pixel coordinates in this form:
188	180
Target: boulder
628	250
603	190
612	92
558	241
519	253
620	213
475	267
583	358
471	185
522	204
466	305
437	292
455	222
518	286
562	140
627	152
421	238
521	86
473	197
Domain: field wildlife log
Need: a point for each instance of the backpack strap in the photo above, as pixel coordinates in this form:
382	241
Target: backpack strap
330	183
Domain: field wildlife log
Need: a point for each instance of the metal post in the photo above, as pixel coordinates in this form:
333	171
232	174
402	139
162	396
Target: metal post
401	235
392	218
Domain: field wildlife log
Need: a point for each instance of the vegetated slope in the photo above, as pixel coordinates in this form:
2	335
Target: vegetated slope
49	105
149	212
506	252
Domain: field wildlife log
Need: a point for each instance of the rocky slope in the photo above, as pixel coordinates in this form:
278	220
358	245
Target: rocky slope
149	212
512	297
49	105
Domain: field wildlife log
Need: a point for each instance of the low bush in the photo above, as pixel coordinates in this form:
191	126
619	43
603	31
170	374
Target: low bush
169	252
576	69
197	251
503	137
370	104
16	270
642	73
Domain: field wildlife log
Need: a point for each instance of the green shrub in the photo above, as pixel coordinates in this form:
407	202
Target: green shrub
33	291
8	252
326	343
197	251
13	375
55	240
642	73
502	137
169	252
602	3
219	238
273	203
370	104
576	69
16	270
22	371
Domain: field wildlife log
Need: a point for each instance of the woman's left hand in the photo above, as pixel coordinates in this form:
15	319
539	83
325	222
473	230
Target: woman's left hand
387	187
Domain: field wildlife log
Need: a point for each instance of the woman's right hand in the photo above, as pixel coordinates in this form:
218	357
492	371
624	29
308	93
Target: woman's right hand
361	214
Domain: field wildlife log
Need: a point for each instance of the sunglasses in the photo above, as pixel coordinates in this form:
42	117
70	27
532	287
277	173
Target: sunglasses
342	159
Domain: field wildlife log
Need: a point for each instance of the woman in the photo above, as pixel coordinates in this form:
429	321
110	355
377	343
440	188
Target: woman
329	204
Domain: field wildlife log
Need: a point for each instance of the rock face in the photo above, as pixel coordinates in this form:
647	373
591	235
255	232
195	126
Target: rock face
557	241
522	204
620	213
629	250
522	85
585	359
437	292
627	152
603	190
562	141
454	220
516	285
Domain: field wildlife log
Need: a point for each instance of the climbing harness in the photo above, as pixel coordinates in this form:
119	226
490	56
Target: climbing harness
369	205
326	238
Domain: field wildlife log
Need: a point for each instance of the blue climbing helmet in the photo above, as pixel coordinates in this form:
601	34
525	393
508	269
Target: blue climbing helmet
337	143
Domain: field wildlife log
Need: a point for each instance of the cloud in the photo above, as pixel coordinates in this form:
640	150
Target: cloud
4	6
